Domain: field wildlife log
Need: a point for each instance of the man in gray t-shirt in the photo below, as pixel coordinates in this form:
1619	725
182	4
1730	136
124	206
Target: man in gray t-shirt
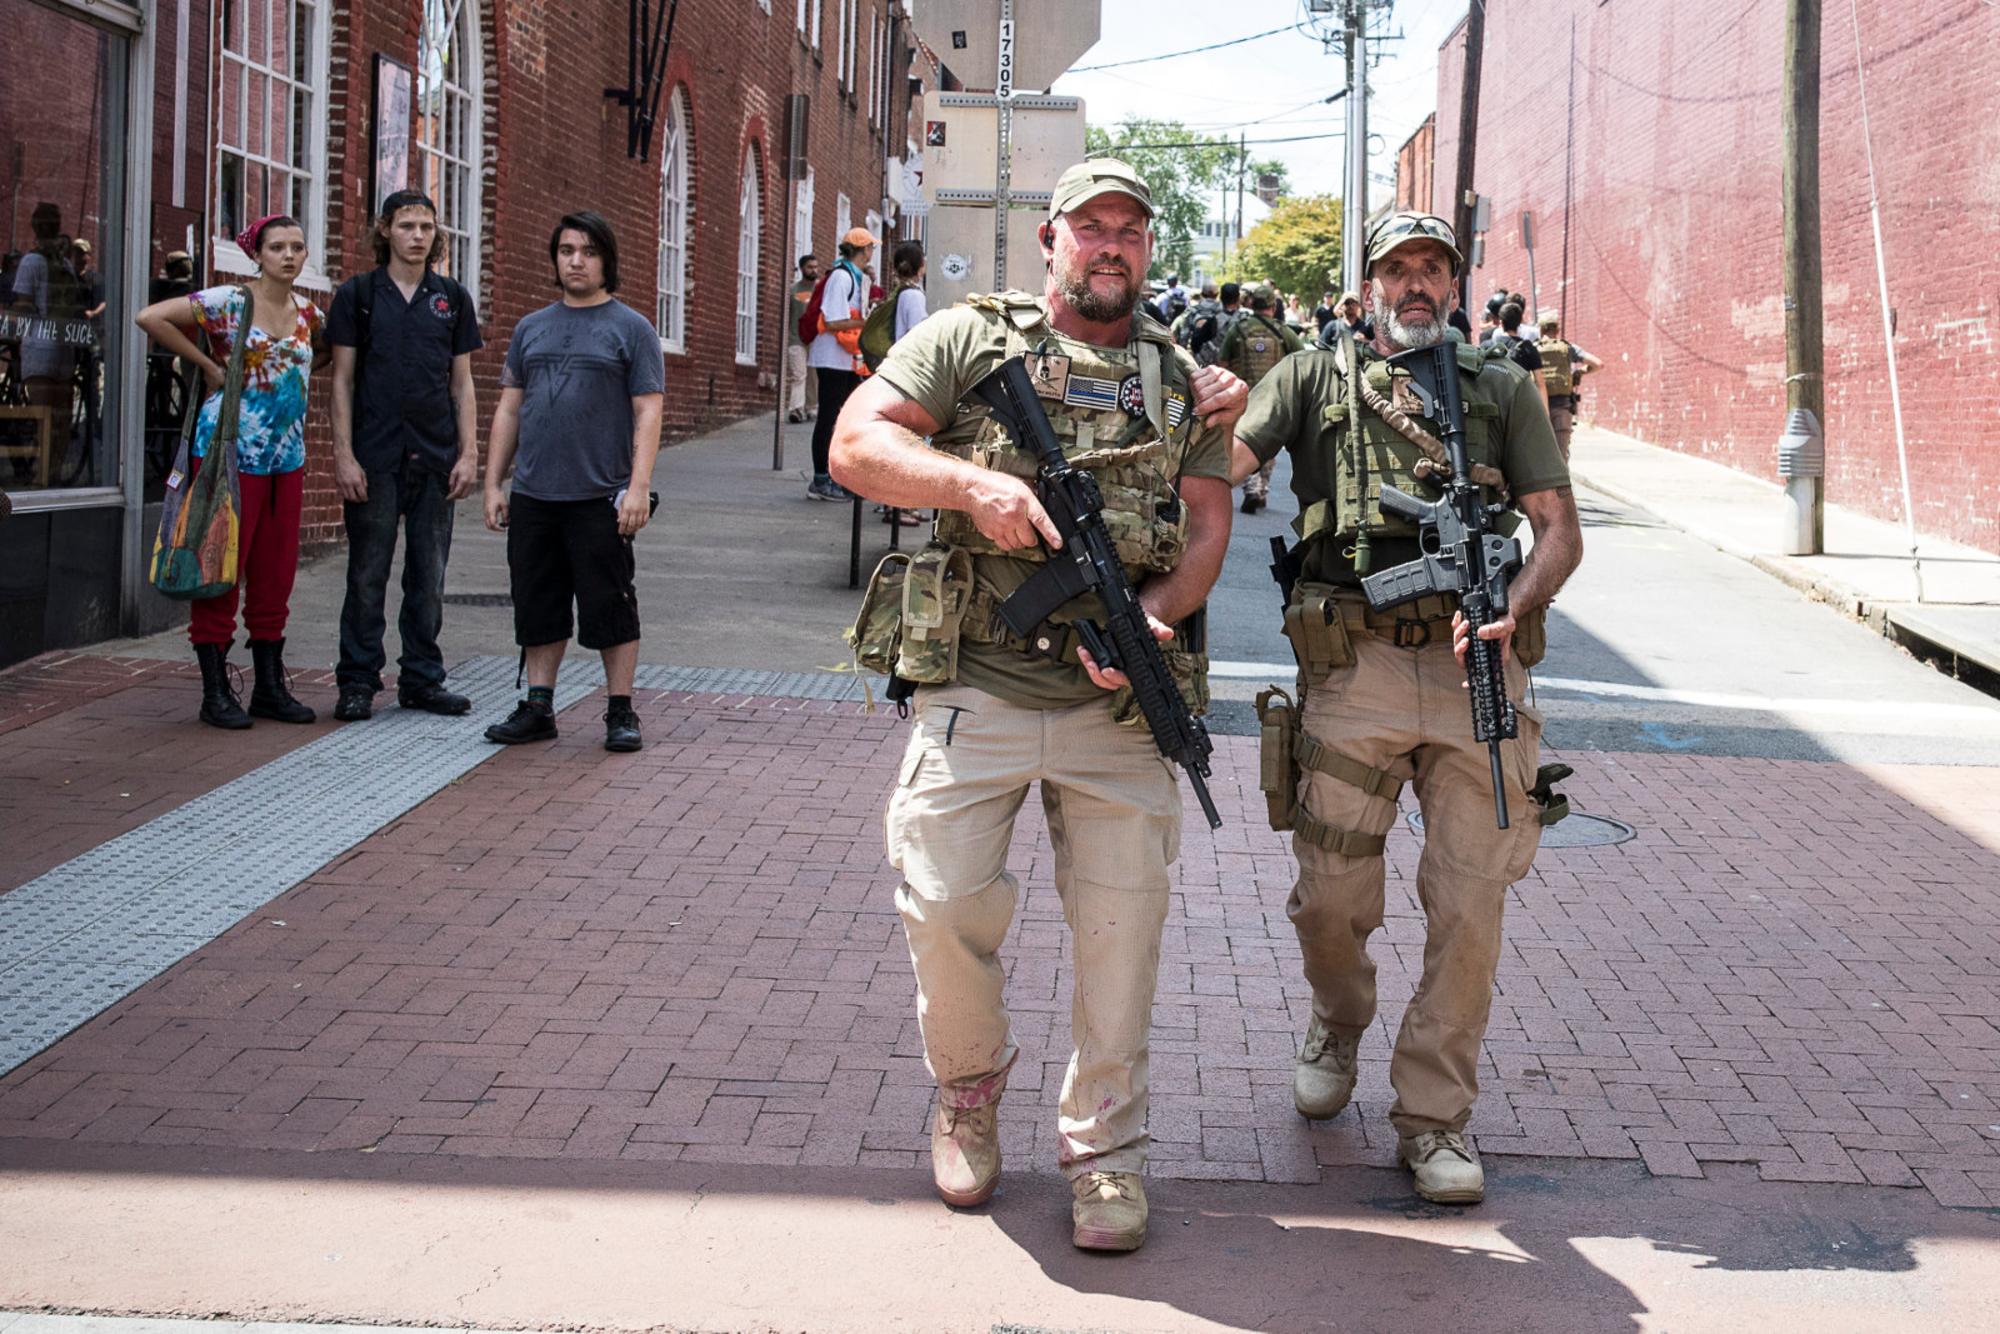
580	398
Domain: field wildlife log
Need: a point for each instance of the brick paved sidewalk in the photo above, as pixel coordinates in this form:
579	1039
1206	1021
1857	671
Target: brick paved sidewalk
91	747
691	954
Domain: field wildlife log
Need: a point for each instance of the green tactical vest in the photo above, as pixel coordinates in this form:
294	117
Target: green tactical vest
1130	427
1557	373
1340	490
1260	345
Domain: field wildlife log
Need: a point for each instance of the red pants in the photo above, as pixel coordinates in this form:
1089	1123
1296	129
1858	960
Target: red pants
267	561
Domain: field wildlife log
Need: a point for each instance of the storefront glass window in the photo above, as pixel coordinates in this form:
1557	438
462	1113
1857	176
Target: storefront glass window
63	314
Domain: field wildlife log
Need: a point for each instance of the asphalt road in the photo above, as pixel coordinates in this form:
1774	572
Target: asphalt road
1662	643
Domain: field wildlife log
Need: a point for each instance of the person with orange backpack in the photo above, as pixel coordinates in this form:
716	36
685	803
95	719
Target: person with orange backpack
835	316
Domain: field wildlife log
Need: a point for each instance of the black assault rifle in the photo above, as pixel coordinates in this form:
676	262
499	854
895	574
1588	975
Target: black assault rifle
1462	556
1088	563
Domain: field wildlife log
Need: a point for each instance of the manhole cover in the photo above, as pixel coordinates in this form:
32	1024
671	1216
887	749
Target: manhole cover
479	599
1576	831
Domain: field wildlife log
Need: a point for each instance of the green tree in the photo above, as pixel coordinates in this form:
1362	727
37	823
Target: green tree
1297	247
1182	169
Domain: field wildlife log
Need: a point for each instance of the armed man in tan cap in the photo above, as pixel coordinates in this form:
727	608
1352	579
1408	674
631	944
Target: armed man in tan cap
997	711
1384	700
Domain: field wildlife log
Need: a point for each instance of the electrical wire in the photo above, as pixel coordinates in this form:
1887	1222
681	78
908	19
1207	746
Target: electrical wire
1177	55
1232	143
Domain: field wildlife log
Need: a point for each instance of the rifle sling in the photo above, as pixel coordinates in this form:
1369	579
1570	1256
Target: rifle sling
1433	449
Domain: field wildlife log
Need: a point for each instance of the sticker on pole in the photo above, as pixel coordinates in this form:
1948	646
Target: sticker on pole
1003	85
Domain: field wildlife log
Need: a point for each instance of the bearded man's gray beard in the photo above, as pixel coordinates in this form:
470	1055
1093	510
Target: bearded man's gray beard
1402	332
1077	291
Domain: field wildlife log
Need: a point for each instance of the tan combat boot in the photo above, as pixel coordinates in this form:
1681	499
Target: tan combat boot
1446	1167
1109	1211
1323	1076
965	1153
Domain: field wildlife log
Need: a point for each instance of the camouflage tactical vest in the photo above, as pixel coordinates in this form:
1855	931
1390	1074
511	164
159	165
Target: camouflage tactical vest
1368	453
1130	427
1557	373
1259	347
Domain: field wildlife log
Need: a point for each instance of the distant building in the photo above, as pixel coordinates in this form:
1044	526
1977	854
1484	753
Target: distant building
1415	168
151	128
1221	238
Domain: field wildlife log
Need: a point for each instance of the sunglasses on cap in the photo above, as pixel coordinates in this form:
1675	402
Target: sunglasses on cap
1418	224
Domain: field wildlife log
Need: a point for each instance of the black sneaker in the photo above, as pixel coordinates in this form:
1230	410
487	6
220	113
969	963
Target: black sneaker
528	722
356	705
432	699
621	729
1251	504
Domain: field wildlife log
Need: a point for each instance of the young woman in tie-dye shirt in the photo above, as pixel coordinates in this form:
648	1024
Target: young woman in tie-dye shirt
284	344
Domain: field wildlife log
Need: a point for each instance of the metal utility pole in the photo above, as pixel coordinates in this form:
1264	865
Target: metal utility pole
1802	451
1354	198
1003	182
1242	169
1468	136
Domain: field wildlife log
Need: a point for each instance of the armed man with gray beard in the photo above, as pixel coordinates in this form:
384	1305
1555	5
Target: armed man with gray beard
1384	698
998	709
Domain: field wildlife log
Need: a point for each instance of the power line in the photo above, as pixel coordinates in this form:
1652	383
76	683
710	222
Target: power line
1191	51
1230	143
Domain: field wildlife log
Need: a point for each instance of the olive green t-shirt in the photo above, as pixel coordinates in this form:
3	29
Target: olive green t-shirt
1286	412
936	365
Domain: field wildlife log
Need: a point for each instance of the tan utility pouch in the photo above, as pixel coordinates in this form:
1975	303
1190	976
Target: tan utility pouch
935	593
1318	635
1277	771
877	628
1531	637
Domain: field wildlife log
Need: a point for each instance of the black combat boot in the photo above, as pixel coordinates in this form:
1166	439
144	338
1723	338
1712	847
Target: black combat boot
271	695
219	706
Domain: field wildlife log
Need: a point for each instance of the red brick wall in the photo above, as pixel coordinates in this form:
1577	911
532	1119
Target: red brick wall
1415	168
1674	268
41	100
554	143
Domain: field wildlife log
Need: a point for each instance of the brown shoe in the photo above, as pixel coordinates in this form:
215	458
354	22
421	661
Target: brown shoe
1323	1075
1109	1211
965	1153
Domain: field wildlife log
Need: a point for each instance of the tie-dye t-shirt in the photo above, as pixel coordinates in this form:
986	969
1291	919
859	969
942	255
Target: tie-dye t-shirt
271	417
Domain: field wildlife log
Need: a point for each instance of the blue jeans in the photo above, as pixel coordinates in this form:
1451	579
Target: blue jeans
417	498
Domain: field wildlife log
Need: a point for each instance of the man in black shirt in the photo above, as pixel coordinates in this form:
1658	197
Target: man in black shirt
1519	350
405	446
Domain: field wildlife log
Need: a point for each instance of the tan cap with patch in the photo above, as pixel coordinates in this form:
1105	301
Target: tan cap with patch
1103	175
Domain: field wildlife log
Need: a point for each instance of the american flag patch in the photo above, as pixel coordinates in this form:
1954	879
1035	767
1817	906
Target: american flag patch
1177	411
1087	391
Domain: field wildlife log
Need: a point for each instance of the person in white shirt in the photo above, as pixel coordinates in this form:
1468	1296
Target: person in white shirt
911	306
843	304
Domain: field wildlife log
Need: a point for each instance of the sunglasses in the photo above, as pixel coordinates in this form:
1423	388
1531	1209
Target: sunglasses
1419	224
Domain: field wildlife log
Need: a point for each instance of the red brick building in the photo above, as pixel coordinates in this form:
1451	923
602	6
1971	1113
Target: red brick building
1415	169
1651	162
153	126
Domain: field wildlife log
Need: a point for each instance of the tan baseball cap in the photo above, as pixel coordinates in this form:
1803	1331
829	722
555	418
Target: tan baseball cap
1102	175
1400	229
1550	318
858	236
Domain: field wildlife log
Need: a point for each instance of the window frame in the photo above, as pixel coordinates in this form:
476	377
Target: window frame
225	254
467	201
750	227
670	321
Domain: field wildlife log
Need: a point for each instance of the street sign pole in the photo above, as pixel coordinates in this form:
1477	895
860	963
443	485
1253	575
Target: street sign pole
1003	179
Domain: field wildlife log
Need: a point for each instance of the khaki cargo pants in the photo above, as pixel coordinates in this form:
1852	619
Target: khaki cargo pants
1404	711
1114	817
1563	418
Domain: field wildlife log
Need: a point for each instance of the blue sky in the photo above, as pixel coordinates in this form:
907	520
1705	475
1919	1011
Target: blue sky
1266	89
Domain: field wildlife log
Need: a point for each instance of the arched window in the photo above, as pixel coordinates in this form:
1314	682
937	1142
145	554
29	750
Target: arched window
671	316
750	226
448	130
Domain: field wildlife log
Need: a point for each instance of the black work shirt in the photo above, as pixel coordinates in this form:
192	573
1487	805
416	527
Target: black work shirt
403	411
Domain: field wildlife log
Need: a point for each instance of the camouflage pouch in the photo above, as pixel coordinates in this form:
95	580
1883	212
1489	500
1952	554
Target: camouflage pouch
1531	637
936	589
877	630
1277	770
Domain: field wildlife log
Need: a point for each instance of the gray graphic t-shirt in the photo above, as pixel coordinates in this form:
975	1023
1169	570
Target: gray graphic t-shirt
578	369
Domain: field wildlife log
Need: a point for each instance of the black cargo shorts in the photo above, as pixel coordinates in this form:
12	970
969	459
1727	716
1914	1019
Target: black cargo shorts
561	552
